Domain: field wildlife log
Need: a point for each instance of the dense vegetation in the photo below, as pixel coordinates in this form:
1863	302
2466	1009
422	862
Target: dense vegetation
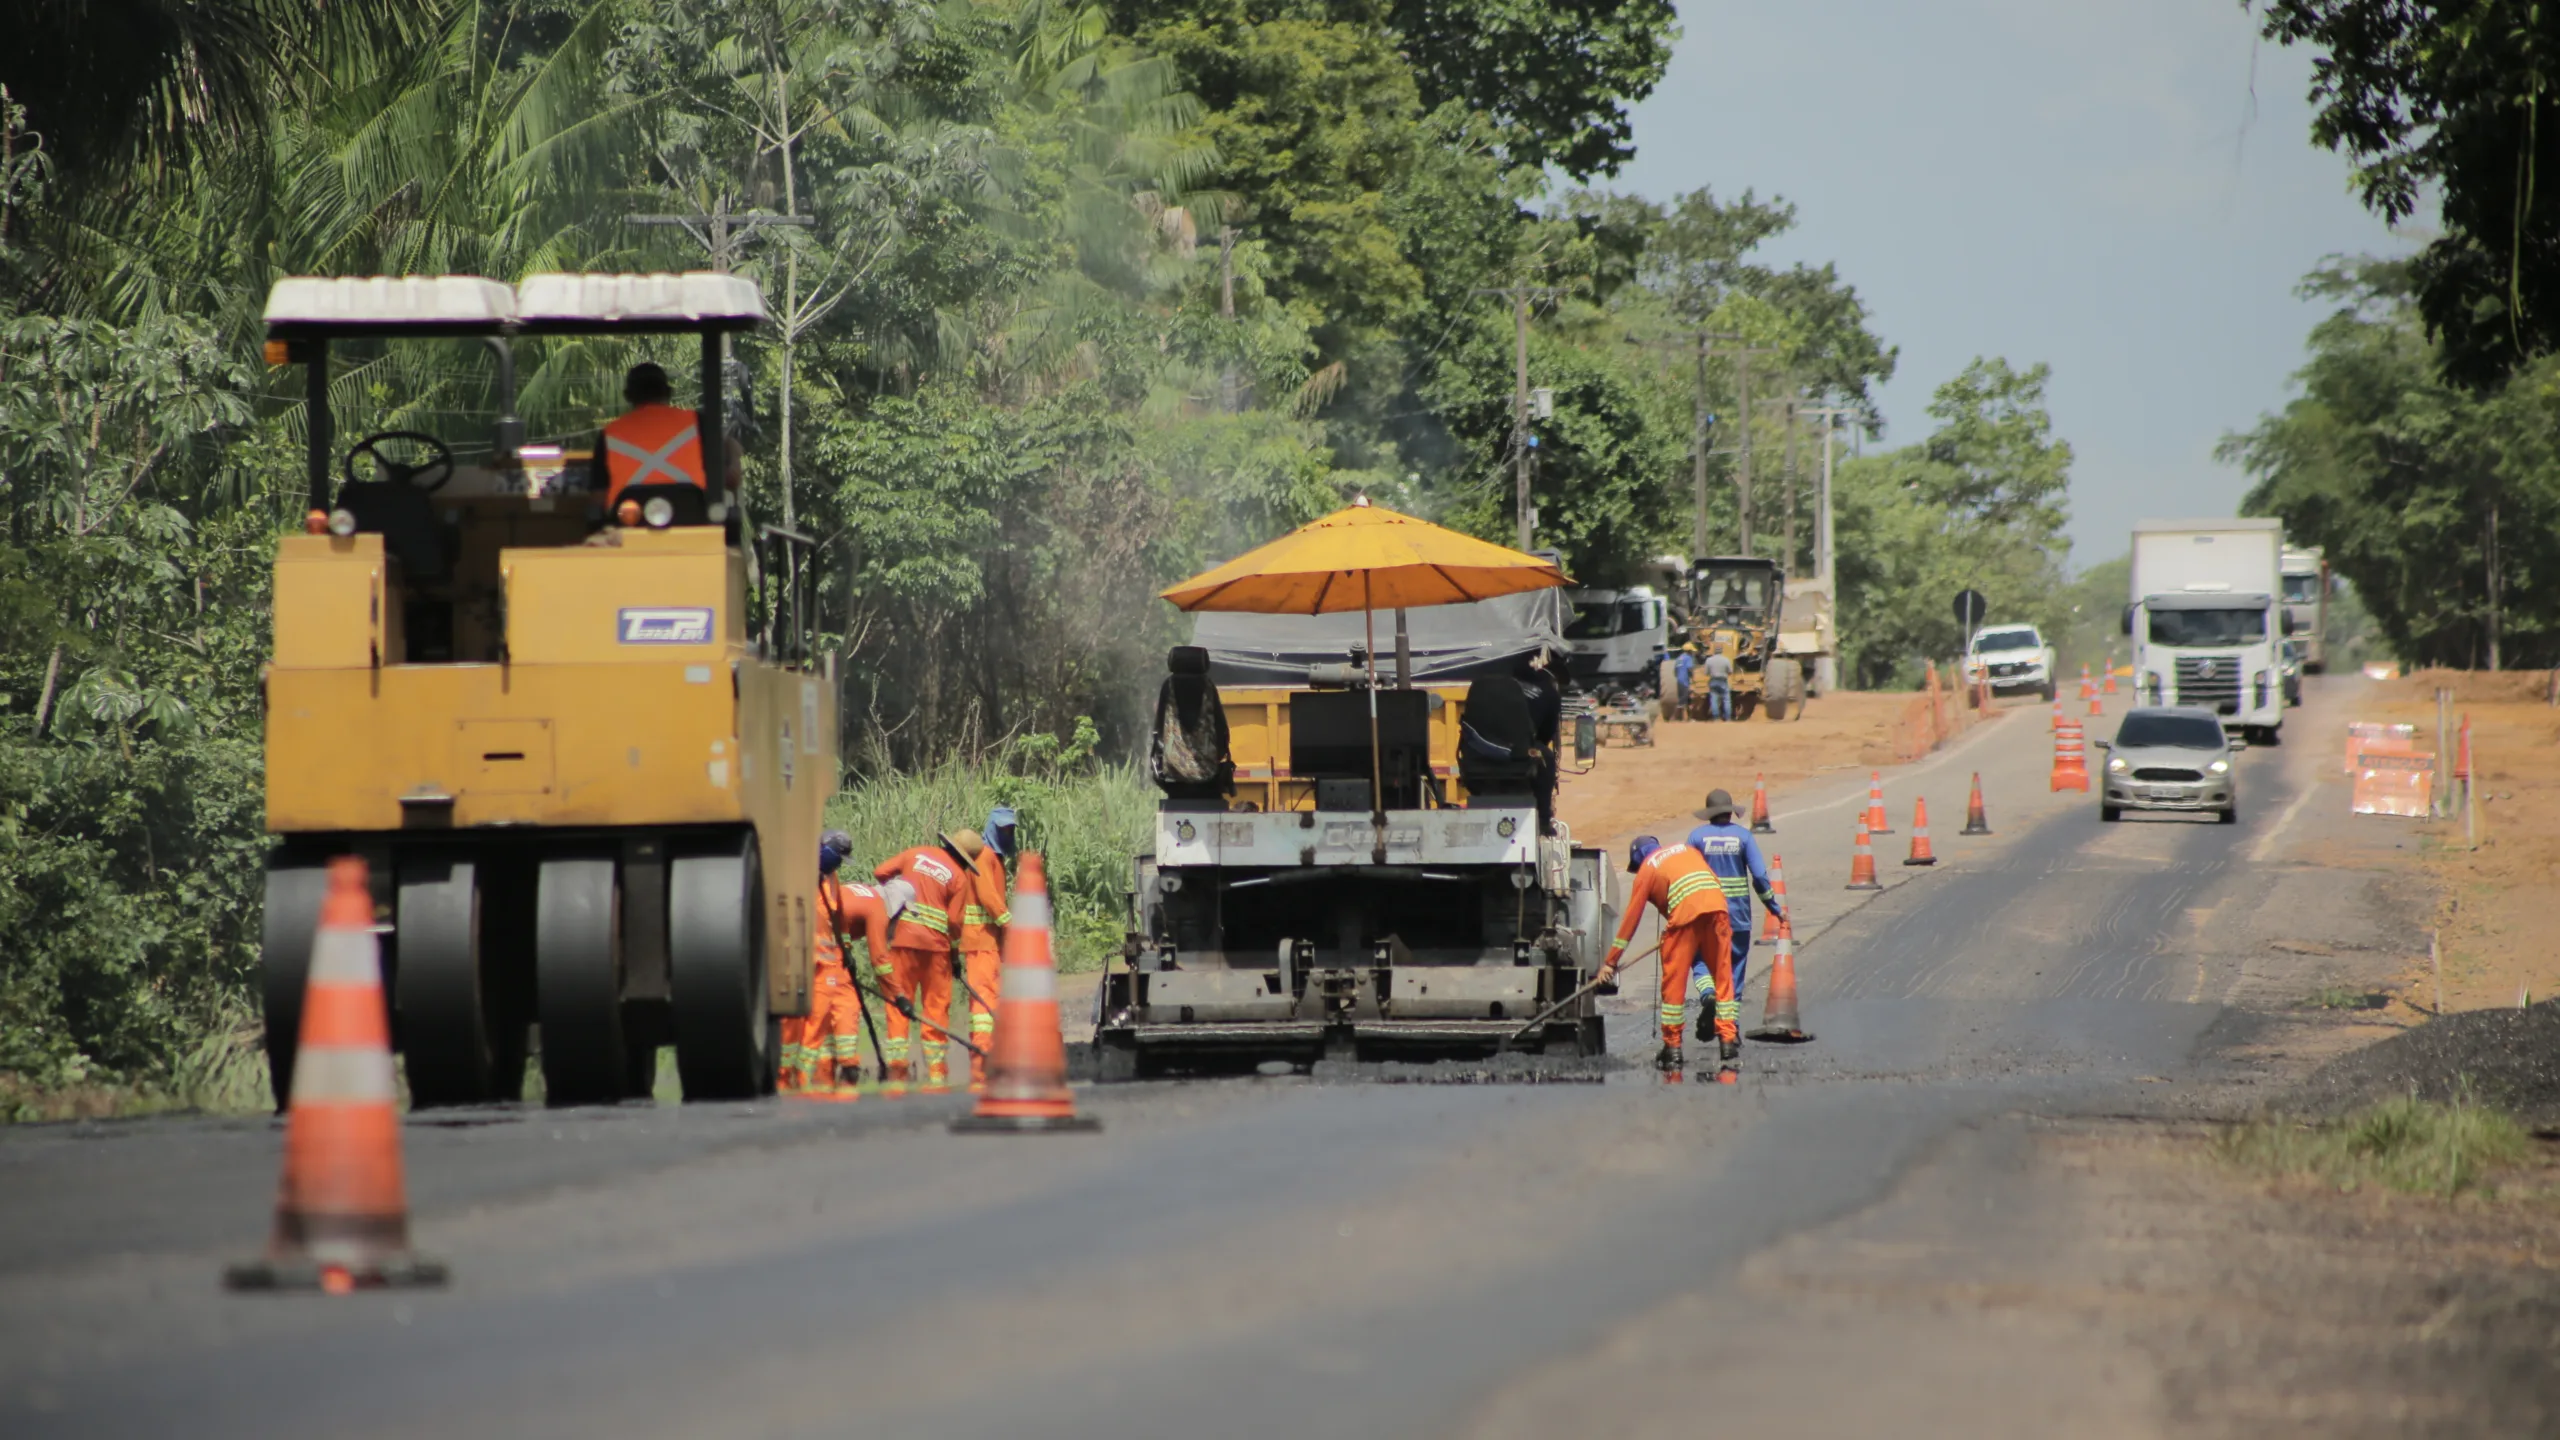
1092	296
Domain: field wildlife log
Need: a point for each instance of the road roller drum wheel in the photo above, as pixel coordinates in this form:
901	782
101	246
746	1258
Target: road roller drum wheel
577	949
726	1036
296	884
445	1037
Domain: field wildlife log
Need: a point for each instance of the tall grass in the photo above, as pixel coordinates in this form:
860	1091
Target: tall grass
2407	1144
1087	819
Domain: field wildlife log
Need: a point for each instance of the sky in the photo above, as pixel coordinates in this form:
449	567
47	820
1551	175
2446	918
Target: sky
2123	189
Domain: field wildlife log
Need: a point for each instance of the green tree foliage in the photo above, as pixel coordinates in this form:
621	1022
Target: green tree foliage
2438	504
1977	505
1089	297
2450	100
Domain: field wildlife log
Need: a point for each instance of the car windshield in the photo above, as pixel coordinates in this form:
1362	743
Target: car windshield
1632	616
1593	622
2301	589
1990	640
2208	627
2143	729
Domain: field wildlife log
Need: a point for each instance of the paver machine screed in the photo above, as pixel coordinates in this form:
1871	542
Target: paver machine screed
587	784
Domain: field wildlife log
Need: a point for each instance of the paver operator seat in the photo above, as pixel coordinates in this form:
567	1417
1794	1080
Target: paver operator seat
1189	754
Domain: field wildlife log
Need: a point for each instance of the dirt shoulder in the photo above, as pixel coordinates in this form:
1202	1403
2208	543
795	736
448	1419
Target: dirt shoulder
1633	786
2499	904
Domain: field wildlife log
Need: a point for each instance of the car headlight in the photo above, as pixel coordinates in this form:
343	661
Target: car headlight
2220	767
659	511
2116	766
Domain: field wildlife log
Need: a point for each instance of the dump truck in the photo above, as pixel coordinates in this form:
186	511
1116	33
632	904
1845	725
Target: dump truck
584	758
1735	605
1273	917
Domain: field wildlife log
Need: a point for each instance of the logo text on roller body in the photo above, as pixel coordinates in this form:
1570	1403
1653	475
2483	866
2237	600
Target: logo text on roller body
664	626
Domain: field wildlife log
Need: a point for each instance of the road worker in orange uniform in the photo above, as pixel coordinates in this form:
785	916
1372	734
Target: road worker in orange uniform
1678	882
655	442
823	1053
983	915
920	953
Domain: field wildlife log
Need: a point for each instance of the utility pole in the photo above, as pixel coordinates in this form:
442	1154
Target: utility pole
1787	542
1228	399
1826	668
1520	296
1705	350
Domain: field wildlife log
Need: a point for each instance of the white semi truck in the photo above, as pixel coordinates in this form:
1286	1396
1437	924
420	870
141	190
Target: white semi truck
2207	621
1614	638
2306	600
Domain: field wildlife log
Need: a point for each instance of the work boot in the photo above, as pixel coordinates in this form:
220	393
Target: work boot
1728	1050
1669	1058
896	1072
937	1076
1706	1020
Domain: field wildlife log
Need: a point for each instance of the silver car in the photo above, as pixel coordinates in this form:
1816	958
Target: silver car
2170	758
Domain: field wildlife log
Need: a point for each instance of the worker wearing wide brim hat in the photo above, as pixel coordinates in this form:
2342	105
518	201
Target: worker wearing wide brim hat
1740	869
984	912
1676	881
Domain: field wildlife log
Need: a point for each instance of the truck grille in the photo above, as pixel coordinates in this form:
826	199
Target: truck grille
2218	690
2162	775
2004	670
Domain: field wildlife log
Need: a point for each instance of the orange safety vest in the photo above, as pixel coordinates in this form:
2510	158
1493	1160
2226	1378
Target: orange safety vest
850	912
929	920
653	445
1677	881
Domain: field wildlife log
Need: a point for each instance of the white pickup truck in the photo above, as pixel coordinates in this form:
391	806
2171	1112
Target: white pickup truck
2018	659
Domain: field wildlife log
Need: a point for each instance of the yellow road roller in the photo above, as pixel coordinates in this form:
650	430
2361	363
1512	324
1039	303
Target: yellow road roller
586	772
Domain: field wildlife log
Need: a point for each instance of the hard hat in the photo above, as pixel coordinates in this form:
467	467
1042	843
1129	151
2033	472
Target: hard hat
964	843
1645	845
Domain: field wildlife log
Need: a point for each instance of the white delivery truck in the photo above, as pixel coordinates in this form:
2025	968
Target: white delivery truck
2208	627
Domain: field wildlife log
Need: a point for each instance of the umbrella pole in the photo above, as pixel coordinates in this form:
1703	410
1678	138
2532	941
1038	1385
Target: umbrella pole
1377	764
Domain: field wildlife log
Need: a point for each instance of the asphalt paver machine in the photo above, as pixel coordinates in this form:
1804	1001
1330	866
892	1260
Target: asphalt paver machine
1275	918
588	783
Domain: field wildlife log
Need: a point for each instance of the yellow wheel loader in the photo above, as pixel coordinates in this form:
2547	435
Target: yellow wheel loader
588	782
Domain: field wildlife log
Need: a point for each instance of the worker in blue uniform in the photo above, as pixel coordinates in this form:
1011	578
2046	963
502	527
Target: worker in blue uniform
1740	869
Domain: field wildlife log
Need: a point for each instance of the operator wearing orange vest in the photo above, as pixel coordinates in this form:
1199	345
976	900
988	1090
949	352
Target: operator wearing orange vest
920	951
655	442
1677	881
819	1050
984	912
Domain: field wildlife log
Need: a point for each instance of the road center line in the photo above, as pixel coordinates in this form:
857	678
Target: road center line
2266	843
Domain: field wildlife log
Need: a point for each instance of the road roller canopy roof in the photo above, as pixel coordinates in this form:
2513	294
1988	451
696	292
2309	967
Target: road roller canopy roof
556	304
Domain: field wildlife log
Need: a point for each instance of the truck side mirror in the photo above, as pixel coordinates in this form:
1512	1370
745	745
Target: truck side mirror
2128	619
2284	621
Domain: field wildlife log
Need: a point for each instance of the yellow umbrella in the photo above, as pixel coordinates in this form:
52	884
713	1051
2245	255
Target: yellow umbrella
1361	558
1364	558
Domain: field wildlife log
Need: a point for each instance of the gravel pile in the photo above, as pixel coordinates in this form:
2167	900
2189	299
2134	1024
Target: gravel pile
2509	1058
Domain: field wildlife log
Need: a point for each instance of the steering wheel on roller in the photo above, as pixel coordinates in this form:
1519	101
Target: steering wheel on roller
439	464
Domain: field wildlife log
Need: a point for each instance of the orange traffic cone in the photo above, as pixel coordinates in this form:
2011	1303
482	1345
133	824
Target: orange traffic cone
2110	686
342	1211
1778	1010
1778	886
2094	710
1977	821
2057	716
1760	824
1862	865
1921	854
1876	823
2070	762
1027	1062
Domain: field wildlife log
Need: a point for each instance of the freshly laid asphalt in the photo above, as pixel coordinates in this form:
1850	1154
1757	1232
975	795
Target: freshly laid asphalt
1294	1256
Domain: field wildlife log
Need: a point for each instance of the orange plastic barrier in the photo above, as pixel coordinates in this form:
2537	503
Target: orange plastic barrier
2401	784
2399	739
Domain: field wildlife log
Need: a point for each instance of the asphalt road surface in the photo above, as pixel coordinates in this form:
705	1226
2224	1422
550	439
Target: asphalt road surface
1362	1254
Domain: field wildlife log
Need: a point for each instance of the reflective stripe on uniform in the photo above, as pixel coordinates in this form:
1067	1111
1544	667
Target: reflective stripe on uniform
976	915
1671	1014
1691	884
927	917
654	462
1728	1009
1735	885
